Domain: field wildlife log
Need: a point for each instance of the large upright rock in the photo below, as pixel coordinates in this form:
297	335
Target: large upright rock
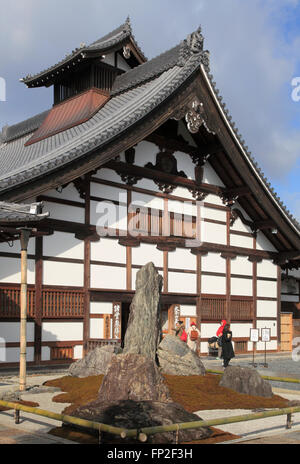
143	328
246	380
176	358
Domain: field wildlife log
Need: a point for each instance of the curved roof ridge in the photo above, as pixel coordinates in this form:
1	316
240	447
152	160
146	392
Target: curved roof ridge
111	39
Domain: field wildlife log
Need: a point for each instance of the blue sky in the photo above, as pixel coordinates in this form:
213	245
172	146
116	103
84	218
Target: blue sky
254	48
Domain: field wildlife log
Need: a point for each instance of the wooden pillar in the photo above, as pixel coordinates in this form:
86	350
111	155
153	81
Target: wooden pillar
279	308
38	300
254	289
128	247
25	234
228	271
165	271
87	268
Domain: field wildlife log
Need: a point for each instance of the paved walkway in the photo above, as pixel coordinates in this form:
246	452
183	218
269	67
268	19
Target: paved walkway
34	429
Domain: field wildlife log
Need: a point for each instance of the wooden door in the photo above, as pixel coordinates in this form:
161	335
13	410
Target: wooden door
286	320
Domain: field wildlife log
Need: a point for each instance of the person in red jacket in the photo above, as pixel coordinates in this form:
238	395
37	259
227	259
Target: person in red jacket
219	335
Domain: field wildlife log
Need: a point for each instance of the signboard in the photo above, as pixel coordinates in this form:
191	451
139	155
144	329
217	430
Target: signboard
265	335
254	335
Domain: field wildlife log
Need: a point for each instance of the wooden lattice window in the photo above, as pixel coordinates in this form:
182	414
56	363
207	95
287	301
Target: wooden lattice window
59	353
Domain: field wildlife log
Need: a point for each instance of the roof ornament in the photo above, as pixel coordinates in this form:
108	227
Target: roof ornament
126	52
195	117
195	41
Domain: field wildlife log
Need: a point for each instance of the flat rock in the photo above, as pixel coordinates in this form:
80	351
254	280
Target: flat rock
133	377
246	380
95	362
136	415
176	358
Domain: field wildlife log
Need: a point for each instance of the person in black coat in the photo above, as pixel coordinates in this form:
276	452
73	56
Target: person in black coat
227	348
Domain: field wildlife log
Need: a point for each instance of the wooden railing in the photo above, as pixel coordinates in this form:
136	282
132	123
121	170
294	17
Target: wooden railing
10	302
55	303
151	222
62	303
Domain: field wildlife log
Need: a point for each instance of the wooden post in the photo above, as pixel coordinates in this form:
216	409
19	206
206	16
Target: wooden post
24	238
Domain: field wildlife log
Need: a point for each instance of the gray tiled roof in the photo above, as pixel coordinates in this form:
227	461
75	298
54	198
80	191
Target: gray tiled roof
103	45
134	95
21	213
19	164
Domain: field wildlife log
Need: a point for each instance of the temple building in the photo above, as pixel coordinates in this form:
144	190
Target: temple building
138	160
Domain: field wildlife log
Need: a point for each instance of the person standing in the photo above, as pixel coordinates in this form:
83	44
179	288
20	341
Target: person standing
180	331
219	335
193	337
227	348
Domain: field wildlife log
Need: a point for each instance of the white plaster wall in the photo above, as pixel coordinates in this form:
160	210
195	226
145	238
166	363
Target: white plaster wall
209	330
182	207
13	354
269	324
64	212
10	332
267	289
77	352
108	192
213	262
267	269
147	184
10	270
266	308
63	245
146	253
241	287
100	307
108	174
68	193
145	152
211	213
62	331
213	285
214	199
240	265
185	164
108	250
182	192
241	241
262	243
46	353
182	283
240	227
213	233
182	258
96	328
211	177
240	330
188	310
107	214
67	274
147	201
108	277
